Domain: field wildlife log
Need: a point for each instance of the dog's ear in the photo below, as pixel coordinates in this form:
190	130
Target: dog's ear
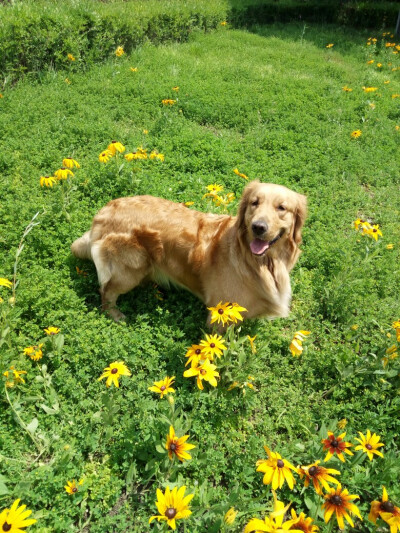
299	218
247	192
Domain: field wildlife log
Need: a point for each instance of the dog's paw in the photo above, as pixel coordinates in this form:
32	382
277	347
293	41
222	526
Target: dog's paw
116	315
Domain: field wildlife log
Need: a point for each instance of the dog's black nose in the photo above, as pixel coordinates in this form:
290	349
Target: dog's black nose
259	227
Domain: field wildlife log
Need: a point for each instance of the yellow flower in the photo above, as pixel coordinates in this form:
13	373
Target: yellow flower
52	331
213	345
236	171
395	95
15	518
178	446
392	519
230	516
373	232
34	352
355	134
391	353
386	82
296	346
133	69
72	486
369	444
145	132
205	371
168	101
319	475
5	283
336	445
338	501
119	51
274	522
63	173
370	62
276	470
390	246
163	387
176	88
188	204
47	181
141	153
114	372
81	272
68	162
67	81
115	147
343	423
329	45
378	508
252	345
155	155
105	155
223	23
370	89
220	313
379	65
195	355
13	377
172	505
70	57
346	89
301	523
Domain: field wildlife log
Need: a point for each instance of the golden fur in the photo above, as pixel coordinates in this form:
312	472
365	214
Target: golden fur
217	257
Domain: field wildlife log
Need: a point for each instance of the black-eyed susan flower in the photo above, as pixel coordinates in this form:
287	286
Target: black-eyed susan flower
234	311
163	387
391	353
114	372
319	476
115	147
155	155
5	283
178	446
133	69
392	519
168	101
252	343
347	89
374	232
13	377
273	523
370	89
105	156
176	88
230	516
119	51
72	487
276	470
194	355
52	330
34	352
63	173
70	57
338	501
343	422
330	45
172	505
240	174
212	346
47	181
189	204
220	313
369	444
336	445
15	518
81	272
223	23
356	134
214	188
68	162
396	326
296	345
301	523
382	506
205	371
370	62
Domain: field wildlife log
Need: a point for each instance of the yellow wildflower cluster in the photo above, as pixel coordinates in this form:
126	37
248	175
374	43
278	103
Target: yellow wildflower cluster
34	352
296	346
116	147
371	230
63	173
13	377
218	199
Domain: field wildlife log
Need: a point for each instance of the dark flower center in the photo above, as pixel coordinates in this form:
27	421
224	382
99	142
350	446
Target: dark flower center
388	507
368	446
172	446
170	512
163	388
313	471
114	370
6	526
212	345
280	463
198	351
63	168
112	142
336	500
335	443
221	311
74	489
202	372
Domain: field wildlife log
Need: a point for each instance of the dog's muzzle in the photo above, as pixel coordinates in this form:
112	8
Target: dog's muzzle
259	247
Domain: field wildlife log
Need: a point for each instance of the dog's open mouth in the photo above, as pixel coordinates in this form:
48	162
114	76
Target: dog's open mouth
259	247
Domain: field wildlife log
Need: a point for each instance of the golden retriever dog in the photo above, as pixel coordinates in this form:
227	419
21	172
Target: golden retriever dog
244	259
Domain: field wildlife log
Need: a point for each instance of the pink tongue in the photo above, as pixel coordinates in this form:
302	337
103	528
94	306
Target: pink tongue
258	246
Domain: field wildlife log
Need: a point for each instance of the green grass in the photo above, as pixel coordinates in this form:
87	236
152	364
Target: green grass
269	102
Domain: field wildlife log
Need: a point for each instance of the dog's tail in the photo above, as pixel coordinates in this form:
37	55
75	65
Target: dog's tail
81	247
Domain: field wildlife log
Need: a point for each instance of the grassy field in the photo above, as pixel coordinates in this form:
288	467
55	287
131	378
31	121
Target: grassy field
269	102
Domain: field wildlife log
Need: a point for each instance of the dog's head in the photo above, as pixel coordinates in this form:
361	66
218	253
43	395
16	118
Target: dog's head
270	218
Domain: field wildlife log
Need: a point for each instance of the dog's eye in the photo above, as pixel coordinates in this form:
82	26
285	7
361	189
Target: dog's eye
281	208
255	202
